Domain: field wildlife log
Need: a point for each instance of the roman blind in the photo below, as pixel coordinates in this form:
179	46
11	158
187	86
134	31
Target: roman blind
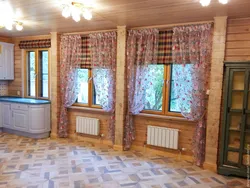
31	44
85	55
165	47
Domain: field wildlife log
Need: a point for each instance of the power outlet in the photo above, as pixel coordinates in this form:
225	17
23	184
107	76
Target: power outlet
18	93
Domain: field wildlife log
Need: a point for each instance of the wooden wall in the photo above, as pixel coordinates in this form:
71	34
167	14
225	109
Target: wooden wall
185	135
6	39
104	118
238	40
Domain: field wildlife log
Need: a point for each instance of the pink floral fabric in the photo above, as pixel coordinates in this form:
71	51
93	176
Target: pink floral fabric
192	48
142	50
70	50
103	48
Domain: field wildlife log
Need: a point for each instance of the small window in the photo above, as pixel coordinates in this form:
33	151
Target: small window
37	73
87	95
162	93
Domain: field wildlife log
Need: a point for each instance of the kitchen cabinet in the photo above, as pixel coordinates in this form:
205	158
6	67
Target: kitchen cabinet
31	120
6	61
235	134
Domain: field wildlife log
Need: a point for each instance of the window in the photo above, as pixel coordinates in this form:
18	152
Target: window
37	73
87	95
161	96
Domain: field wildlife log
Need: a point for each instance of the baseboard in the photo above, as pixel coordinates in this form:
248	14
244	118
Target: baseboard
53	135
26	134
154	151
210	166
93	140
118	147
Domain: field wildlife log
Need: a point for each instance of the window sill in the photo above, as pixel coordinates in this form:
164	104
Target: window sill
82	108
164	117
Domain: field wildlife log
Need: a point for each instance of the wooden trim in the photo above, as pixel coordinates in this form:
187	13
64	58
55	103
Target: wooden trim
82	108
89	32
165	117
167	26
164	90
167	77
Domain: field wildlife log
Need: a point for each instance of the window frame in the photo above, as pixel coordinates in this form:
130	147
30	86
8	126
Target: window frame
90	93
37	69
166	90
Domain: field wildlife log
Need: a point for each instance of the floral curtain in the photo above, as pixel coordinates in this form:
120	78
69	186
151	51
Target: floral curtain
192	48
142	50
70	50
103	48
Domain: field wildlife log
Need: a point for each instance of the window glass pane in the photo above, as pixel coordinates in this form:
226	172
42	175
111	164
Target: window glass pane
31	74
96	98
44	74
174	106
83	76
154	91
102	82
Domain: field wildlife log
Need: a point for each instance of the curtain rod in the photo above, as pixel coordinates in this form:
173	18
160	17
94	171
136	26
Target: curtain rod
172	25
89	32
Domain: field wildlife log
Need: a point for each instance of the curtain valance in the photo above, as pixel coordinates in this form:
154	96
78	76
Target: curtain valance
31	44
165	47
85	56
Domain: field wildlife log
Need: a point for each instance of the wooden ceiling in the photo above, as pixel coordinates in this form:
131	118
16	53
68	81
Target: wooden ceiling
41	17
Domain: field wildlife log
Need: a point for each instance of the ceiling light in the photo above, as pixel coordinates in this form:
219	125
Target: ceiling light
87	14
223	1
205	3
66	12
9	26
19	26
76	9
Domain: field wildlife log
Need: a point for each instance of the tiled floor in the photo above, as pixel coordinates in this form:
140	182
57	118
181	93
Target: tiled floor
32	163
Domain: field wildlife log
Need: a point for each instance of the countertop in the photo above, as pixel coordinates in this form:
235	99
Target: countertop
23	100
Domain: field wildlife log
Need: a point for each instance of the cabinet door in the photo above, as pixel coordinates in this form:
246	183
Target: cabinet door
235	117
1	115
37	120
2	71
7	116
20	120
246	135
9	61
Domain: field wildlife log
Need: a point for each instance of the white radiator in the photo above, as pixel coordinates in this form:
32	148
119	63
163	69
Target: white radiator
162	137
87	125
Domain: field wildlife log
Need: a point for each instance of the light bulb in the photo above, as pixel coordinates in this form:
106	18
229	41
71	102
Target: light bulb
223	1
66	12
76	14
76	17
87	14
205	3
9	26
19	27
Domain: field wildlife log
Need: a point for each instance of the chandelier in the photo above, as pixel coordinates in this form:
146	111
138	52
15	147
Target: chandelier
76	10
207	2
7	17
